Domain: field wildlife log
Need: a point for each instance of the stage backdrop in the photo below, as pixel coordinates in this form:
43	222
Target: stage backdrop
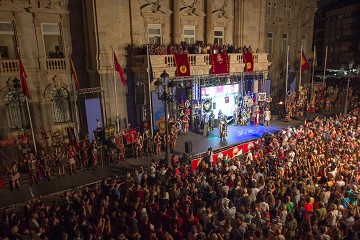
157	109
93	112
222	96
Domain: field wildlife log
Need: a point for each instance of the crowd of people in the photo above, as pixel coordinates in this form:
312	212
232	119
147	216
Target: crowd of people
183	47
301	183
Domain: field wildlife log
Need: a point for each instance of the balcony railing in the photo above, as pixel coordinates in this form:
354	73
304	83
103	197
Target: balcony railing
56	64
9	66
194	59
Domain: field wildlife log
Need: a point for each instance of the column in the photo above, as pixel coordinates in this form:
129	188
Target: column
209	23
176	22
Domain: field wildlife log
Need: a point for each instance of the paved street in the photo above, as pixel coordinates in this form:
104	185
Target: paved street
237	134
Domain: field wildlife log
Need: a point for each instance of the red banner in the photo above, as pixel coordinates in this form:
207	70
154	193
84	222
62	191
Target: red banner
219	63
182	65
249	62
130	136
304	62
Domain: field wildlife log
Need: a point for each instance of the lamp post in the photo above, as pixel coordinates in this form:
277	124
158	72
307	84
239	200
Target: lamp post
165	90
351	64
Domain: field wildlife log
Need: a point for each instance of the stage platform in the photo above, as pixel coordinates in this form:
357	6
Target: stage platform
236	135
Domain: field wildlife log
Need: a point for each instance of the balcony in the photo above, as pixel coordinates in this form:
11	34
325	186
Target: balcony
56	64
200	63
9	66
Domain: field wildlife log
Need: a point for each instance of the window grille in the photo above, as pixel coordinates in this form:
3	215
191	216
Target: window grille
16	111
60	105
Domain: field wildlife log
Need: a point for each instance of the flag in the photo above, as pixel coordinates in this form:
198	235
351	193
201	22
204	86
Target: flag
182	65
304	62
73	73
315	57
249	62
23	78
219	63
119	69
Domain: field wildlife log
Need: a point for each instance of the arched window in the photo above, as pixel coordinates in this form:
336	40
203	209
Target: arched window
16	111
60	105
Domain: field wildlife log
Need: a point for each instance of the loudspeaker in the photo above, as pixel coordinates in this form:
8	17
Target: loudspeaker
188	146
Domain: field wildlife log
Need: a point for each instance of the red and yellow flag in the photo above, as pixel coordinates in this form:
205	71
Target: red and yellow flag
304	62
73	73
23	78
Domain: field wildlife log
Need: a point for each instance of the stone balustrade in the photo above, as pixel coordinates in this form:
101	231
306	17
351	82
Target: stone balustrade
56	64
9	66
164	61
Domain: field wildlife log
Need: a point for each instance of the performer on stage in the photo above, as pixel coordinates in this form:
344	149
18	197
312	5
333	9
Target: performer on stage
138	146
59	161
23	141
173	137
235	116
148	143
33	168
84	148
206	125
120	147
186	123
44	162
71	157
220	117
94	154
157	141
256	116
211	120
223	128
267	117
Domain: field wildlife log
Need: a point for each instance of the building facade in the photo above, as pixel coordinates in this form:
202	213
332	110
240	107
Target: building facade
47	32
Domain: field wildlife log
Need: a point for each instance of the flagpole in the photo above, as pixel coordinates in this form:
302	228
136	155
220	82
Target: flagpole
313	68
149	83
301	50
115	91
325	63
287	74
75	99
31	124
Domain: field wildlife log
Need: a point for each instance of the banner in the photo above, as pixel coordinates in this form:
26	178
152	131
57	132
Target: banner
23	78
119	69
182	65
219	63
249	62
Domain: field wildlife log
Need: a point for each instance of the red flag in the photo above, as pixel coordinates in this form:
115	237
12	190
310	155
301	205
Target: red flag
73	72
249	62
219	63
23	77
182	65
119	69
304	62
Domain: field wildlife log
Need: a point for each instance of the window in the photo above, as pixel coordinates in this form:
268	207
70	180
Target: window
189	34
60	105
7	41
289	11
52	40
154	35
274	10
285	42
303	41
16	111
219	35
269	46
269	9
285	10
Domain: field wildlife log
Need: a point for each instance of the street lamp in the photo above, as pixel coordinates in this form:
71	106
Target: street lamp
351	64
165	90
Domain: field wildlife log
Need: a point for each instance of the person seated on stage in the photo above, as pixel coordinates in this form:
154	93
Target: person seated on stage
14	176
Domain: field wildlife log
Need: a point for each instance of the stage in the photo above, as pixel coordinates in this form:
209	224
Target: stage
236	135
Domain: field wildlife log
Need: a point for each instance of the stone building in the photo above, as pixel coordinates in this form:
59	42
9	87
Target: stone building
47	32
